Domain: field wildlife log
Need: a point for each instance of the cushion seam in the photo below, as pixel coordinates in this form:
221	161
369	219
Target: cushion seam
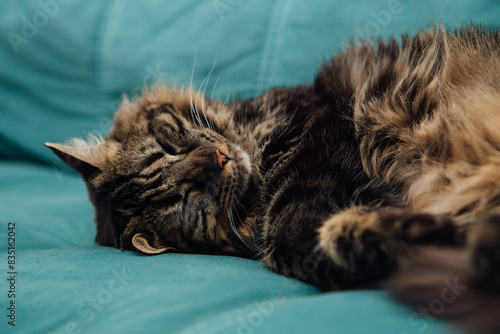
99	43
274	30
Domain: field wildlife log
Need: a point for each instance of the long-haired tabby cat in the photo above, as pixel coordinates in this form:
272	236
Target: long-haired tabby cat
394	146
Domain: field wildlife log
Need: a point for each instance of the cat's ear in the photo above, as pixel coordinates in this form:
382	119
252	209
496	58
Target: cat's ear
142	242
85	160
143	239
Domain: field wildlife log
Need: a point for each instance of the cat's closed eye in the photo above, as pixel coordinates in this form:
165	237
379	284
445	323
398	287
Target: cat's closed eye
167	148
173	150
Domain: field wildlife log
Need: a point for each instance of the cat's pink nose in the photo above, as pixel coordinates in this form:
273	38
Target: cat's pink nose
221	158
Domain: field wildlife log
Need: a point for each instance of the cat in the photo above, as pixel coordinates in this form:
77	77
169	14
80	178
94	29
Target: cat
394	146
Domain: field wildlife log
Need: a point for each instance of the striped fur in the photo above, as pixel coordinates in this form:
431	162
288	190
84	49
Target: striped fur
394	145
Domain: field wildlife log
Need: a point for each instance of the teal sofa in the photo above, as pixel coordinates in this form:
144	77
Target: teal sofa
64	65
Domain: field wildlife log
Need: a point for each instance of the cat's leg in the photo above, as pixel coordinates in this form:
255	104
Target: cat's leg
485	244
370	244
439	142
356	247
473	200
448	165
466	191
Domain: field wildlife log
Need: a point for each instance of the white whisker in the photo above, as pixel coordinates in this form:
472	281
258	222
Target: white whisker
196	101
225	102
194	111
213	89
232	224
212	96
239	203
206	81
191	87
248	232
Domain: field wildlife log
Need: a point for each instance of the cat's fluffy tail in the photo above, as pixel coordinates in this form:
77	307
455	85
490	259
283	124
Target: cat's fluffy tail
440	283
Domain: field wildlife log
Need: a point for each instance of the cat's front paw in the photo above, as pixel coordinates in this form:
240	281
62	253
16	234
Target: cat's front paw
371	244
355	242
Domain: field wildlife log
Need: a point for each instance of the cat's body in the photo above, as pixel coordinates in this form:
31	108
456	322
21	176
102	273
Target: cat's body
334	183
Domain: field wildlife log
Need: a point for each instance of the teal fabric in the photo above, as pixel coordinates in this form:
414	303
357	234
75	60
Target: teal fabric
64	65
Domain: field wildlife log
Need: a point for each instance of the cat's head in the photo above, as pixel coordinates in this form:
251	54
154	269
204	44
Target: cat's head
168	178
